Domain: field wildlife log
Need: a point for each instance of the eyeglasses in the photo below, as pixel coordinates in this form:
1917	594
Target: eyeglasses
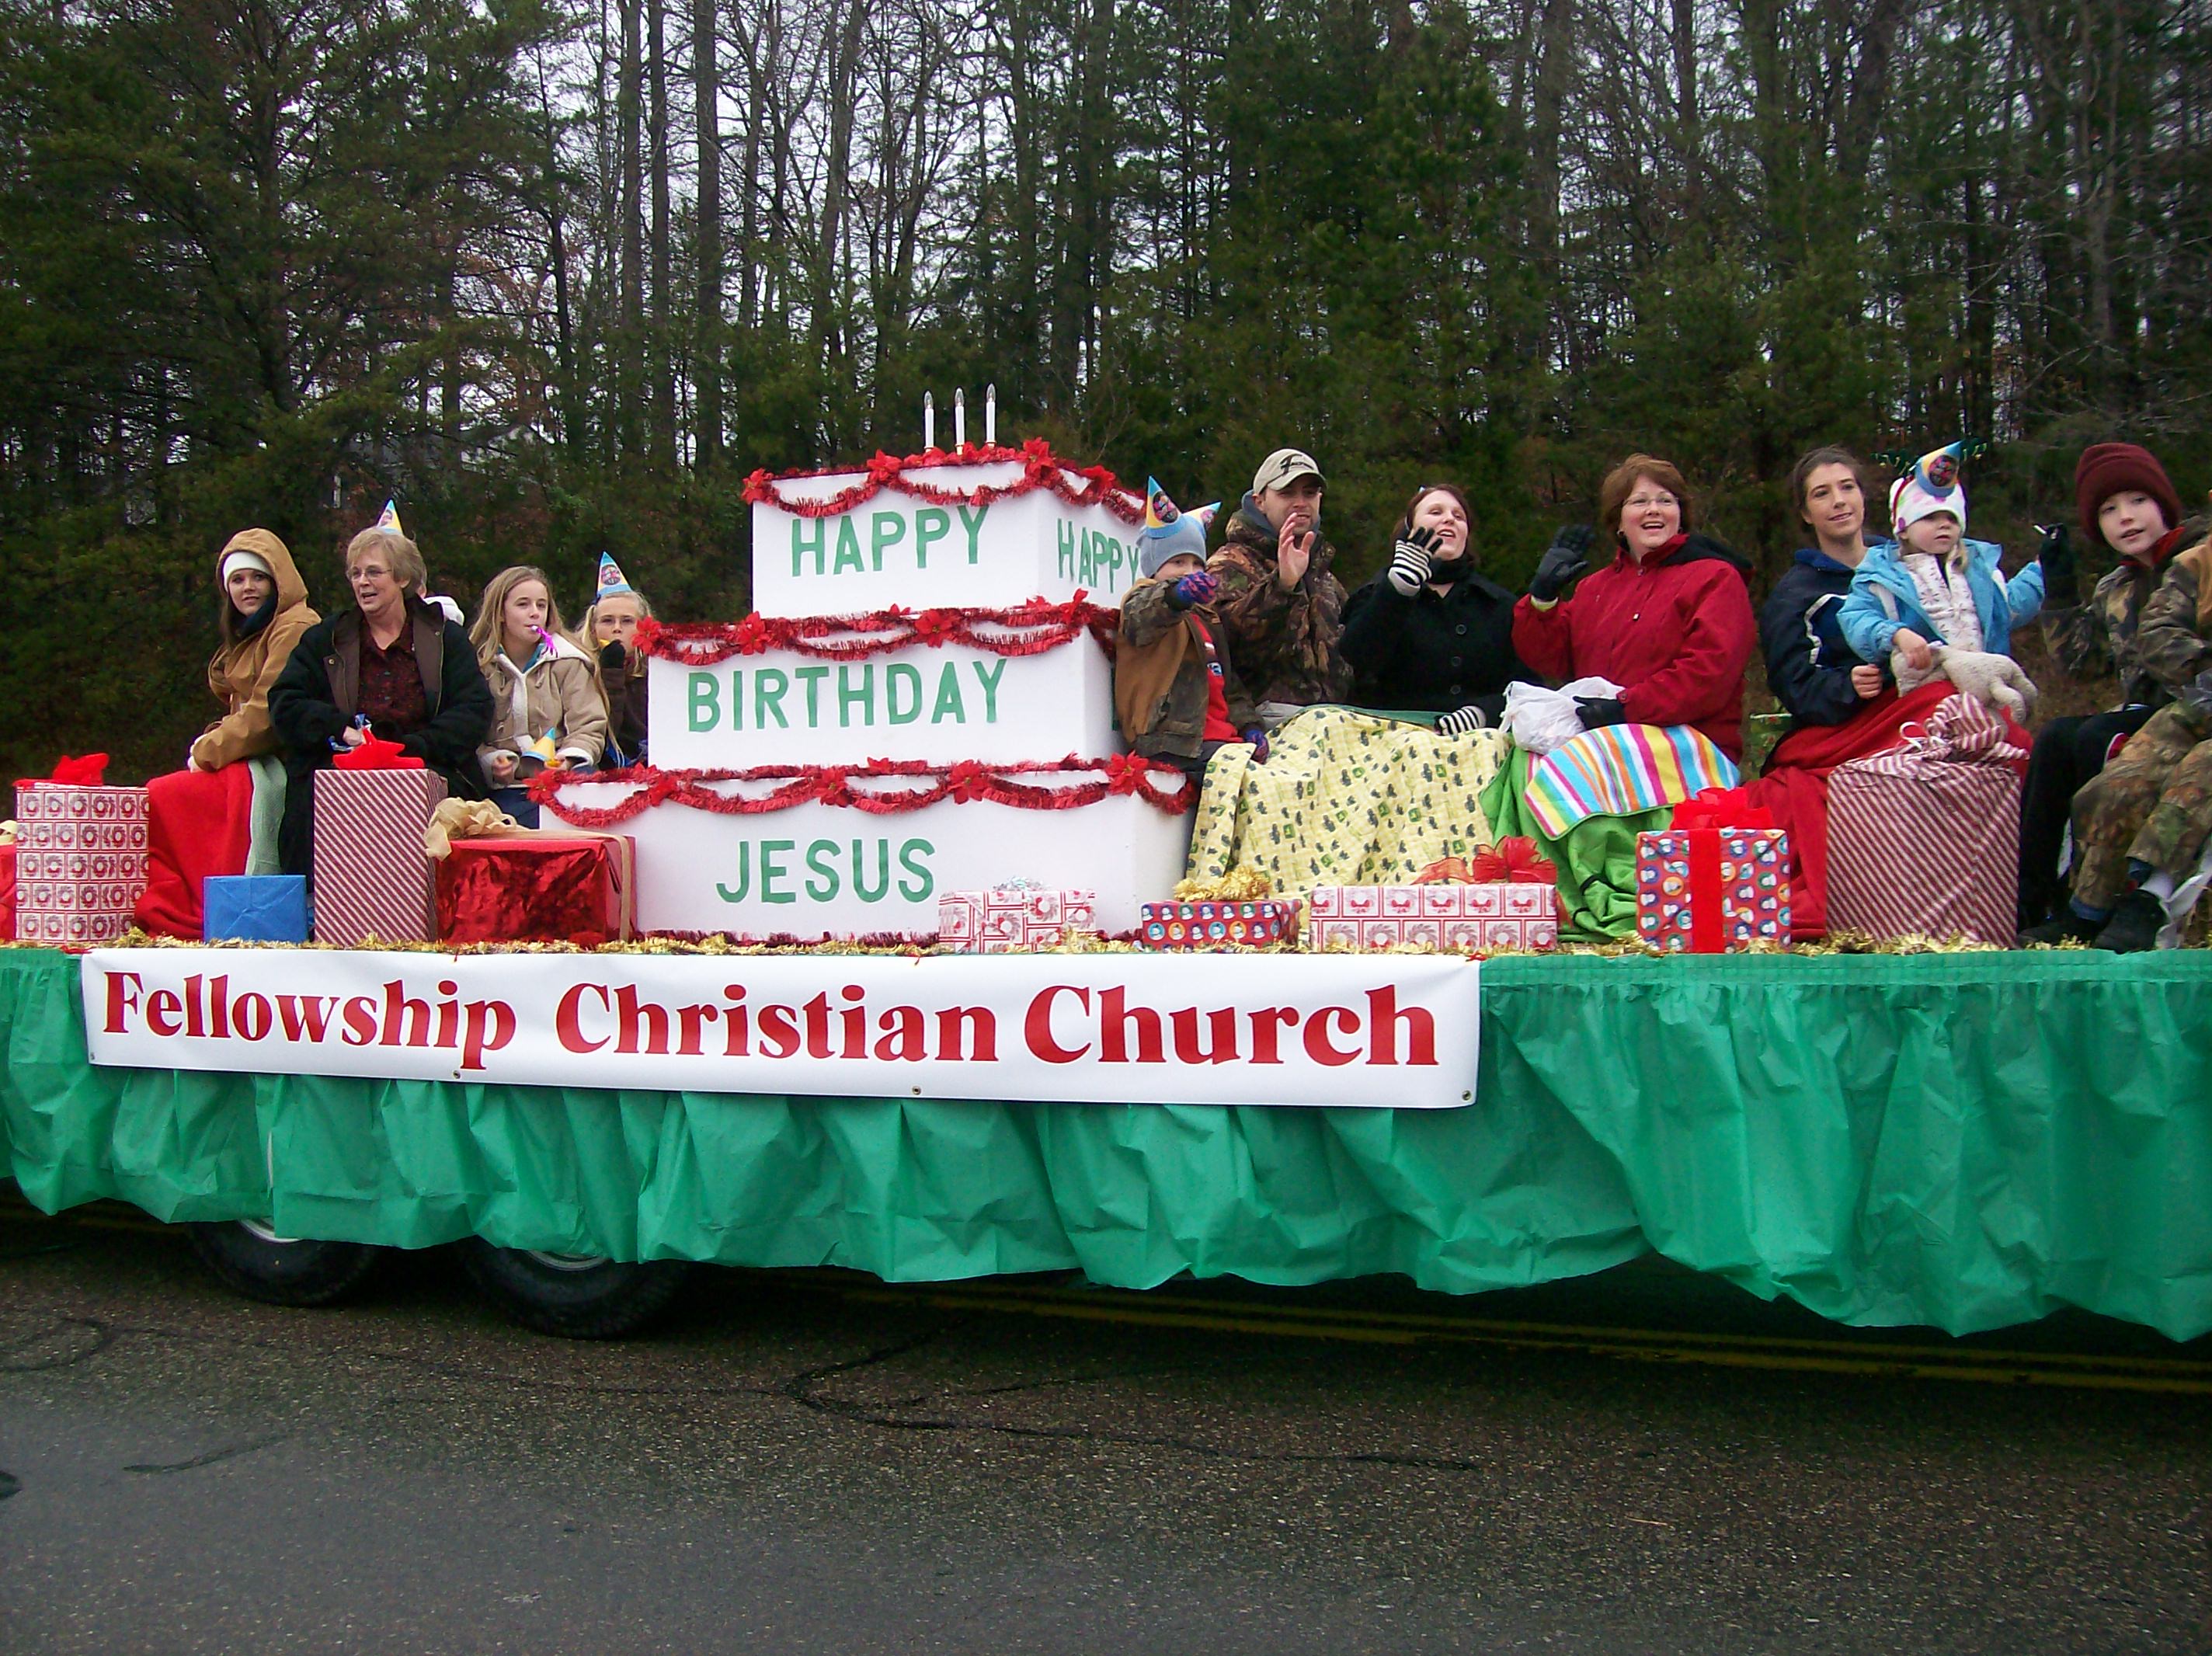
1637	503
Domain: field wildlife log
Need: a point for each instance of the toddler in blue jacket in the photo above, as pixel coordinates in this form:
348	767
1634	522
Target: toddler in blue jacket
1932	597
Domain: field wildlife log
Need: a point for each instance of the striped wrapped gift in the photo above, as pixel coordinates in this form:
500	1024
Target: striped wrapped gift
1924	840
373	877
80	861
1618	769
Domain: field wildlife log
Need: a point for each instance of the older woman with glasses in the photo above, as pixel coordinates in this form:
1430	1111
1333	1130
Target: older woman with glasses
1666	617
1432	633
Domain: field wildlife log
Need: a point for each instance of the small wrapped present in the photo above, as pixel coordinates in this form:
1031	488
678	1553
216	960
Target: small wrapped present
254	908
1439	915
80	857
373	877
8	886
1924	840
1707	890
539	888
1011	919
1216	922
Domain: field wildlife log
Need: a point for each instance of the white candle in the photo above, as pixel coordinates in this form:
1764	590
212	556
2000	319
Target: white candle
990	415
960	419
928	420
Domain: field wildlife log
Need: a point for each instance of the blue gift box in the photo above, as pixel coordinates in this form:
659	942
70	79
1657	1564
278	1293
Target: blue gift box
255	908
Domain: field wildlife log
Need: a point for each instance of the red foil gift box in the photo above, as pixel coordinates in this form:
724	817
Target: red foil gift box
545	888
373	879
80	861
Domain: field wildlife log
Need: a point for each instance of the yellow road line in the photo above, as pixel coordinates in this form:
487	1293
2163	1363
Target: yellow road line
1746	1351
1506	1328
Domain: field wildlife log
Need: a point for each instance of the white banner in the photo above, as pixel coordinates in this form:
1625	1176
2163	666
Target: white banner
1393	1030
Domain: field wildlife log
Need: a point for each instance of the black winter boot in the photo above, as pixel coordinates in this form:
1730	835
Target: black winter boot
2138	919
2064	927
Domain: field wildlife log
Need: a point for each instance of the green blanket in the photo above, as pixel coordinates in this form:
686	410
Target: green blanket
1597	857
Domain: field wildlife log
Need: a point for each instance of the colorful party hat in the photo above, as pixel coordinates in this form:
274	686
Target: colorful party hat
1931	486
610	579
1169	532
390	522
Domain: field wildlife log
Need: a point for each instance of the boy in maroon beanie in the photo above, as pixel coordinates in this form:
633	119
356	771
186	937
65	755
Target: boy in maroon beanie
2125	502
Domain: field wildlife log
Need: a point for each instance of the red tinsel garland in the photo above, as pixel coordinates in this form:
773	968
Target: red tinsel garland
964	783
1041	469
1041	625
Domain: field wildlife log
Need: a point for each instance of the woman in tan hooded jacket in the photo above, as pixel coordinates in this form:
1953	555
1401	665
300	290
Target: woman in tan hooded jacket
201	818
257	640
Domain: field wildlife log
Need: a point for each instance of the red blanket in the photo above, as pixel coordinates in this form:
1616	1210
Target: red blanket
1794	786
198	823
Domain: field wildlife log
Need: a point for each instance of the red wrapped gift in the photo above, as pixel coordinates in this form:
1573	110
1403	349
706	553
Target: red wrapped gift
1924	840
8	889
1709	891
372	876
80	859
539	888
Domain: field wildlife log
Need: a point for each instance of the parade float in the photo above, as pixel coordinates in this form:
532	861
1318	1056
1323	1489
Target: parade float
867	988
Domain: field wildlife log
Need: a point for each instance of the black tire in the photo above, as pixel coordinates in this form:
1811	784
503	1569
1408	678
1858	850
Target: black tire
279	1270
576	1297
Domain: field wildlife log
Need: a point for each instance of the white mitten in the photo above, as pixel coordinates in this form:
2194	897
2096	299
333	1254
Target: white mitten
1994	681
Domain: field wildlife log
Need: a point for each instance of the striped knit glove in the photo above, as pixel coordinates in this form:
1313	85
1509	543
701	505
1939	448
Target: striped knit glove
1410	560
1461	720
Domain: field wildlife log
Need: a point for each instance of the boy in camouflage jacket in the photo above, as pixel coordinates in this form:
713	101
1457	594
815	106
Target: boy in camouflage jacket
2140	826
2125	502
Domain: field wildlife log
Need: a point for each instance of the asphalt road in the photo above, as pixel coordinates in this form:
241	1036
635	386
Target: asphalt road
809	1462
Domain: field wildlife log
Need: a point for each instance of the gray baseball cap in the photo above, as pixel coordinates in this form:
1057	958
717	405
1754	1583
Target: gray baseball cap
1284	464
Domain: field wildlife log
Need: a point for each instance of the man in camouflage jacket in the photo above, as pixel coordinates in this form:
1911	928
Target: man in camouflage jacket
2140	826
1279	603
2124	502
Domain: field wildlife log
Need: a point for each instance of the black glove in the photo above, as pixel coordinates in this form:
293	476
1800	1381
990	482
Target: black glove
2062	587
1461	720
1410	560
1599	710
612	656
1567	556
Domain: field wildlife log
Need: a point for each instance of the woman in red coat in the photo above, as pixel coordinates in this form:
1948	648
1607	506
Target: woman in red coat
1668	619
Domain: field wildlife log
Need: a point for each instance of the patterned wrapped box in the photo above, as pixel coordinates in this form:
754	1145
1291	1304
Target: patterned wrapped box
541	888
1216	923
1924	839
1712	890
80	861
1444	915
373	878
254	909
1011	919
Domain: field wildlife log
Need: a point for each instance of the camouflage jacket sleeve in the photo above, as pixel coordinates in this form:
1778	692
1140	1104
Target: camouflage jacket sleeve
1251	602
2169	640
2080	641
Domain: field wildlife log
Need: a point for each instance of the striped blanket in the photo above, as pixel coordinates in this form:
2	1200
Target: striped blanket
1618	769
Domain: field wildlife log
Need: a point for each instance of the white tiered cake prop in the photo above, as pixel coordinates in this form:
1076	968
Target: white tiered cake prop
937	629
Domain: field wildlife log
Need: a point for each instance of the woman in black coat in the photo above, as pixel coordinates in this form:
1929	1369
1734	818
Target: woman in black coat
390	657
1432	633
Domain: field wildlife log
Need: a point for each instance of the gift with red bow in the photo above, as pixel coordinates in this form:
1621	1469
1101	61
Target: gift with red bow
80	855
1716	880
1503	897
373	879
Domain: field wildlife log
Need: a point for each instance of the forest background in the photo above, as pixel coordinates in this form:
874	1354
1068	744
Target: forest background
558	275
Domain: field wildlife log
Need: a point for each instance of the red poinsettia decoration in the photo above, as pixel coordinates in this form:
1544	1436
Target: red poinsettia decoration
968	781
751	633
935	627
